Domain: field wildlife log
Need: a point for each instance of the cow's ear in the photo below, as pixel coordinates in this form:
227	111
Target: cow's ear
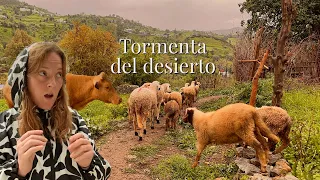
96	85
97	82
103	75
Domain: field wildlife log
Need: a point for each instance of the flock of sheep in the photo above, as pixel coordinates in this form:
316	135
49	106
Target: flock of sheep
145	102
261	128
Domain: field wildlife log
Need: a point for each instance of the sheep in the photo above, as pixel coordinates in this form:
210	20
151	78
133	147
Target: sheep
197	87
186	84
166	87
172	113
160	93
190	93
173	96
231	124
142	102
279	122
155	87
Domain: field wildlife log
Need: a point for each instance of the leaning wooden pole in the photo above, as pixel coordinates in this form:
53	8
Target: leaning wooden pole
256	80
257	43
280	59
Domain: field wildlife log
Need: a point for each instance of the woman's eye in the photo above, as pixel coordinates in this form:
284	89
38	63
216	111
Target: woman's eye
59	75
42	73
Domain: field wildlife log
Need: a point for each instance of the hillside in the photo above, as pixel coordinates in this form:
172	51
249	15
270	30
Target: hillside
46	26
43	25
232	31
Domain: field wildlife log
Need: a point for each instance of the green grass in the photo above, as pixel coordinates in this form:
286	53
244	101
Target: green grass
304	151
3	105
143	152
233	41
220	48
102	117
179	167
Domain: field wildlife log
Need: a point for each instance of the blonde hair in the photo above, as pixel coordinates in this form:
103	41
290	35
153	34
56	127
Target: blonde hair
61	117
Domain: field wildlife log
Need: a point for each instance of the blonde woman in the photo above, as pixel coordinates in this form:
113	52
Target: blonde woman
41	138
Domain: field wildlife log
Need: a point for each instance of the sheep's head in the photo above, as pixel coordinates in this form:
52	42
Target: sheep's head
188	115
167	87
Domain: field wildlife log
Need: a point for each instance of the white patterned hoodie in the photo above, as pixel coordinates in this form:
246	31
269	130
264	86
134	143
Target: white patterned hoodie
53	162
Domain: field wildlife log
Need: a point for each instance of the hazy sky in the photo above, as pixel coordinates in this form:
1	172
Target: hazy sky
163	14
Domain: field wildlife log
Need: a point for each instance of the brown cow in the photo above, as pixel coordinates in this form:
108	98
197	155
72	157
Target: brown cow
82	90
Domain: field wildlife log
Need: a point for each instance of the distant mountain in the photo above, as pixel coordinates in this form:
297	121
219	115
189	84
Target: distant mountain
232	31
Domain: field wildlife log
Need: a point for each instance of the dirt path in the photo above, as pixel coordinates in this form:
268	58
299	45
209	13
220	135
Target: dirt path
116	146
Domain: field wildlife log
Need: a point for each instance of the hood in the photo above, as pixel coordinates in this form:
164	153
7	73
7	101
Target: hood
17	77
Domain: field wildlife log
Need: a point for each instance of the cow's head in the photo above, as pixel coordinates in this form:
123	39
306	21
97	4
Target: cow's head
104	91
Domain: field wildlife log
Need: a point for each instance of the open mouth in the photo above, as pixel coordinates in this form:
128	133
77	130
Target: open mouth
48	95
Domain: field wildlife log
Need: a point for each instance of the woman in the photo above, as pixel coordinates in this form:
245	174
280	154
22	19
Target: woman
41	138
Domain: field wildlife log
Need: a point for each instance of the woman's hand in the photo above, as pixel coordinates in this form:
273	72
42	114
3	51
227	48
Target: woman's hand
27	146
81	150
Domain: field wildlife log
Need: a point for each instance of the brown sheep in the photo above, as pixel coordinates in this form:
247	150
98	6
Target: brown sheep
172	113
166	87
190	93
279	122
173	96
197	88
231	124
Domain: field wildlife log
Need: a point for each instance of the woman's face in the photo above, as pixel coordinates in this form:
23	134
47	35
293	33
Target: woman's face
45	84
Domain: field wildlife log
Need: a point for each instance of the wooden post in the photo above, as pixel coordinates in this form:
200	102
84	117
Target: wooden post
256	80
257	42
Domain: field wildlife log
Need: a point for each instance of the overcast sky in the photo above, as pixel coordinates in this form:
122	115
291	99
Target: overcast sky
164	14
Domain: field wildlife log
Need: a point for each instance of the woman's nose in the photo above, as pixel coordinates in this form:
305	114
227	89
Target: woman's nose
52	82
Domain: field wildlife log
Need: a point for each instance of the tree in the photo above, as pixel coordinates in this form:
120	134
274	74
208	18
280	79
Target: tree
280	59
90	51
20	40
268	14
141	59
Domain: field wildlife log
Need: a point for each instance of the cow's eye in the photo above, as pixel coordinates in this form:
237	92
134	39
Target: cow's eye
107	87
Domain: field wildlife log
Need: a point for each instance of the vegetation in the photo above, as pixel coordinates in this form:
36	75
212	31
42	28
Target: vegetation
268	13
80	29
20	28
178	167
90	51
304	151
101	117
303	154
20	40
